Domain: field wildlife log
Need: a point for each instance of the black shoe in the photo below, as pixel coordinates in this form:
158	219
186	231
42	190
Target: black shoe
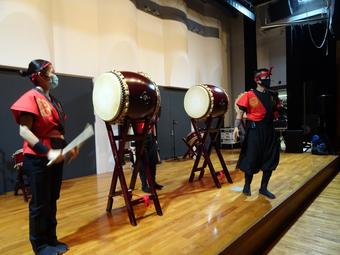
59	246
47	250
146	189
158	186
246	190
267	193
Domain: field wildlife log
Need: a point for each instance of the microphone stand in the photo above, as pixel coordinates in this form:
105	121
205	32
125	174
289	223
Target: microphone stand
174	122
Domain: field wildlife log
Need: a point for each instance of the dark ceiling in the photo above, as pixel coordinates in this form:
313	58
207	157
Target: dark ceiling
258	2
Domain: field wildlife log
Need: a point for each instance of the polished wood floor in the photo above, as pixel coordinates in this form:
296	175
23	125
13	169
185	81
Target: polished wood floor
198	218
318	230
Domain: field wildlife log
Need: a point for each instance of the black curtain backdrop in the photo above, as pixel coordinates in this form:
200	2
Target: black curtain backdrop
174	123
311	74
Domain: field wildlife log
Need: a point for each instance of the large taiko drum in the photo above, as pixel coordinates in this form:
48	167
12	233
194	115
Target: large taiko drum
203	101
18	158
117	95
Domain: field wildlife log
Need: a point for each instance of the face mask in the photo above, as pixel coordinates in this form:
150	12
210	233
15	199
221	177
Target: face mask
54	81
265	83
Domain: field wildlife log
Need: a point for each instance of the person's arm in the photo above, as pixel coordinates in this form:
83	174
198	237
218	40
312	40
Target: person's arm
238	124
26	121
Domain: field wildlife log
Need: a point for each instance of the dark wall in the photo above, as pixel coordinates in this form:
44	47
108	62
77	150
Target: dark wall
75	93
174	123
250	55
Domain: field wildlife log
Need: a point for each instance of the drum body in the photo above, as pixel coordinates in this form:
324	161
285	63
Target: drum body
203	101
191	139
117	95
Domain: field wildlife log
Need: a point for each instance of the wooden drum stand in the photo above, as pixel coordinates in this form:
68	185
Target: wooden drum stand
202	151
118	173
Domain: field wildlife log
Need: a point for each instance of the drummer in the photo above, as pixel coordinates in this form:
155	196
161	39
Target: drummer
261	148
41	119
151	156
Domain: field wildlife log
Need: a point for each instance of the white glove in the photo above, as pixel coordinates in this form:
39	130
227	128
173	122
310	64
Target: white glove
54	156
27	135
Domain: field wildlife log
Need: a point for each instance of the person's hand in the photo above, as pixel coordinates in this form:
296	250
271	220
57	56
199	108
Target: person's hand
236	134
72	154
55	155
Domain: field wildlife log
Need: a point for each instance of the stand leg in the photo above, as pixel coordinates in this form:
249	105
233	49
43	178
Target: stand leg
202	151
194	168
190	152
205	163
224	166
119	172
127	197
213	173
152	187
112	191
218	151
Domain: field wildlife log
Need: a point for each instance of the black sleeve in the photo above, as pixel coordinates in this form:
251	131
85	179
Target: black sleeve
242	108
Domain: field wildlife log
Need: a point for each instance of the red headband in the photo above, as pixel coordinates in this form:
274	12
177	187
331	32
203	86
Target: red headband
264	74
33	76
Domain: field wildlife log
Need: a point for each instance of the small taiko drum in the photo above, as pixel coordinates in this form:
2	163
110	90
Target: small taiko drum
117	95
192	138
203	101
18	158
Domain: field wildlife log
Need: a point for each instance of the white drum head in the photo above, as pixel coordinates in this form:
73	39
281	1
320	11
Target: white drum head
107	96
197	102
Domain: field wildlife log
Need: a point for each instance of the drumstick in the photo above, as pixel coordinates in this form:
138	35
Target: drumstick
82	137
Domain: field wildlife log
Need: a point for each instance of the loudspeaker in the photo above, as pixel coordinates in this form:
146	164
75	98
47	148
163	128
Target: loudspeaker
293	141
326	104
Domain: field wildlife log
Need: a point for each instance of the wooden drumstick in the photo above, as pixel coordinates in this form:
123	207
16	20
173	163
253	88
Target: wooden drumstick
82	137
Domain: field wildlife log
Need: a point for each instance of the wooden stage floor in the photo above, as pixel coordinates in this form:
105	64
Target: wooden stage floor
197	217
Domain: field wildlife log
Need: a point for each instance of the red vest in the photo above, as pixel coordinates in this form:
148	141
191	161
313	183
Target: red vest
255	109
46	117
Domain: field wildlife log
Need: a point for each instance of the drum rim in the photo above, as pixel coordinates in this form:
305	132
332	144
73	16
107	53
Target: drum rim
209	90
115	115
124	102
212	101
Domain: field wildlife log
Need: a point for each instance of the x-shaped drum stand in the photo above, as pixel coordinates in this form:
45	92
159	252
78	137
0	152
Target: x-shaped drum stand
202	151
118	173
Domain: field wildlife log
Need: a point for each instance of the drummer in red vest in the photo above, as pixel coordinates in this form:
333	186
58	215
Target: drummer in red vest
261	148
151	155
41	119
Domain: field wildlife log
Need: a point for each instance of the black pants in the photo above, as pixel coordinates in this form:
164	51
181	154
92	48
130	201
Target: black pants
45	183
260	149
150	151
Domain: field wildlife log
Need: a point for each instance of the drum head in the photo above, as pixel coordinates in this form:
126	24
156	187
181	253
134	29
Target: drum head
107	96
197	102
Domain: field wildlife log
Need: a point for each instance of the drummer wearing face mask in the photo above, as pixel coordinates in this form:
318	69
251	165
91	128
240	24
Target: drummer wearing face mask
41	124
260	149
